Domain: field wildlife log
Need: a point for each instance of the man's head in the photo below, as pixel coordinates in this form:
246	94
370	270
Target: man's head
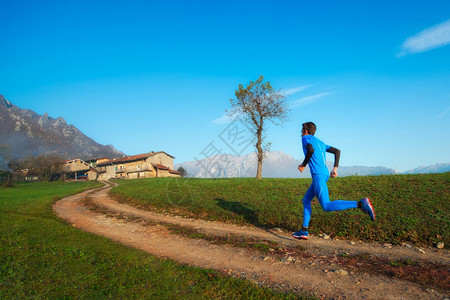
308	128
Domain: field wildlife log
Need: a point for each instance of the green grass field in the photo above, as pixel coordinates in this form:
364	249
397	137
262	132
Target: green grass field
410	208
42	257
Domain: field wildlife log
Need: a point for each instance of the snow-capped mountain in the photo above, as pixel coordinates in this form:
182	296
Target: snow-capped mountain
277	164
436	168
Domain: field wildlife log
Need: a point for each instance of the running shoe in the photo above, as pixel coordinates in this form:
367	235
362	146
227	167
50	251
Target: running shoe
301	235
367	207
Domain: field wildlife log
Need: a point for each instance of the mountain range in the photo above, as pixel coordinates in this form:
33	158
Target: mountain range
436	168
278	164
24	132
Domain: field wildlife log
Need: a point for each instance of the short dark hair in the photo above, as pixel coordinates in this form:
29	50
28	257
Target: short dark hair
310	126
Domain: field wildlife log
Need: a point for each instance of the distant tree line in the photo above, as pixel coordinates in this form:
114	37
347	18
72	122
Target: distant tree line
41	168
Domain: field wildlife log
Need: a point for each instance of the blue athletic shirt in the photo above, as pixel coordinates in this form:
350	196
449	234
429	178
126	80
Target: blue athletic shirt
317	163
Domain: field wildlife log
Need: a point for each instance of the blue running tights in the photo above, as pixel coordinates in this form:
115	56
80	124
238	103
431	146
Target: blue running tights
319	189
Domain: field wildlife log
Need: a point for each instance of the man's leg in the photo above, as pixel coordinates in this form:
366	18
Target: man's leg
303	233
309	196
321	188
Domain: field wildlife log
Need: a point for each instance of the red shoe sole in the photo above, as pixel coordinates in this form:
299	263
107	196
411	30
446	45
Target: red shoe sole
373	210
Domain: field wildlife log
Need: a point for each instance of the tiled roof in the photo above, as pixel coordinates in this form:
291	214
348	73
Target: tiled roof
74	160
132	158
161	167
105	163
69	160
174	172
96	159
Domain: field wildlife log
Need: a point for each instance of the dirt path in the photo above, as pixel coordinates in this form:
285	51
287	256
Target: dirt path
316	270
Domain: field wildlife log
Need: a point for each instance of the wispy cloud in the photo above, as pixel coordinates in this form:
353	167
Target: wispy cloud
308	99
294	90
223	119
428	39
442	114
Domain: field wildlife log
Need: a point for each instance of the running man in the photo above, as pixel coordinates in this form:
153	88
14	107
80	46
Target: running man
315	150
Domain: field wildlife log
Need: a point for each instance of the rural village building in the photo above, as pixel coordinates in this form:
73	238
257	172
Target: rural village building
75	169
153	164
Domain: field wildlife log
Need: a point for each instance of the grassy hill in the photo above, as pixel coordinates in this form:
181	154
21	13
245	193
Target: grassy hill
410	208
42	257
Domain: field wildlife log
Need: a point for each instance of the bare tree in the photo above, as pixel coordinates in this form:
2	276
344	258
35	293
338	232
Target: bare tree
257	103
44	167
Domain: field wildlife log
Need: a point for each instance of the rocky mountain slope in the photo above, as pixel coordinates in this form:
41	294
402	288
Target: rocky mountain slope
24	132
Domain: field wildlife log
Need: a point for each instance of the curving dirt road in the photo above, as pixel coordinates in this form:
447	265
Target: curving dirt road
314	267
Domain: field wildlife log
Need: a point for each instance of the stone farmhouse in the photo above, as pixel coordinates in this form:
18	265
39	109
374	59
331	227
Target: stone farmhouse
75	169
153	164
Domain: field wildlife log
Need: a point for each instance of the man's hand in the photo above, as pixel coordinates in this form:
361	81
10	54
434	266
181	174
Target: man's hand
333	172
301	168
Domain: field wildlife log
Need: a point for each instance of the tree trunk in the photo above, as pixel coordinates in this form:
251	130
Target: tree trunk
259	169
260	154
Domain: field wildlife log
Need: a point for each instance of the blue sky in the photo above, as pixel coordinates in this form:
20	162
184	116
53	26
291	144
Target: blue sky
158	75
